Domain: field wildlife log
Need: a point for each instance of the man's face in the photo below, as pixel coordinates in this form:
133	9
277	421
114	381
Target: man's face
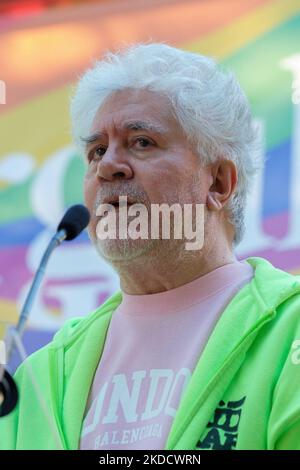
150	165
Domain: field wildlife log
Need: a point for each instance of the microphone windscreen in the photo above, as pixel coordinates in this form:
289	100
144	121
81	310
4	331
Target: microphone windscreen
9	394
74	221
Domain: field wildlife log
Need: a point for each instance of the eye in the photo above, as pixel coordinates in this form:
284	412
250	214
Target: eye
144	142
96	154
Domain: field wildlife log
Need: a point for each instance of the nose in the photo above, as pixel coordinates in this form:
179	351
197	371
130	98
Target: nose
114	165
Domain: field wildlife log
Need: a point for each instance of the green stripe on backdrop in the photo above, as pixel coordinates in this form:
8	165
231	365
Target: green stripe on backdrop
267	85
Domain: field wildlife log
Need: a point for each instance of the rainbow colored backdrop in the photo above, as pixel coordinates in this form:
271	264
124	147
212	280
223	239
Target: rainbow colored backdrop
41	173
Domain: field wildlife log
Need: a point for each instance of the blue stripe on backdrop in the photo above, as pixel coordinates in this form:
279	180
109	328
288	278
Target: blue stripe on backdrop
23	231
32	340
277	180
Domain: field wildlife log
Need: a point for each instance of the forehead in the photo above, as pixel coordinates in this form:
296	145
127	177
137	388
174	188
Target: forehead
140	105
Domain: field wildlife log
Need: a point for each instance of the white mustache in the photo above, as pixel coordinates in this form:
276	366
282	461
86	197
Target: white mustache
134	195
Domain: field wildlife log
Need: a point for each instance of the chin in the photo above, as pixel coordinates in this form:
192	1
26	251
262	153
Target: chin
123	250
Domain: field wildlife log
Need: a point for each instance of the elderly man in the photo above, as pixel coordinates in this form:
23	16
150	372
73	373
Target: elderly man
198	350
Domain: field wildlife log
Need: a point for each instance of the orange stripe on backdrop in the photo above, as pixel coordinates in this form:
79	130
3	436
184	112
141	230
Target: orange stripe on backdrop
49	51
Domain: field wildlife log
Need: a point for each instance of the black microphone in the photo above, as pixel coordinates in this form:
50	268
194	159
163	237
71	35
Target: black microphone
73	222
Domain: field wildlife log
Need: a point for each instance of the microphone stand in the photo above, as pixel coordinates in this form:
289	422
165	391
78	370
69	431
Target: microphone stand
74	221
8	389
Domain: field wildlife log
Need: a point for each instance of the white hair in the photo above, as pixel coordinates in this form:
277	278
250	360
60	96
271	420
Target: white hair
207	101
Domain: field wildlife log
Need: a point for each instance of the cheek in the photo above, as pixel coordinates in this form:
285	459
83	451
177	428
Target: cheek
89	192
161	183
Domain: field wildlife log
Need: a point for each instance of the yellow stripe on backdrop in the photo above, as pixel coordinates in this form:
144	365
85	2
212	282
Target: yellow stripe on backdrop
225	41
8	314
23	128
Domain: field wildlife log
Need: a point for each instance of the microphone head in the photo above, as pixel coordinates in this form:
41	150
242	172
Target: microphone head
9	394
74	221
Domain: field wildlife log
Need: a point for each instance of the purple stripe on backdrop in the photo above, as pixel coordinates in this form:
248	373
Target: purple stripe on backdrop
277	226
13	271
287	260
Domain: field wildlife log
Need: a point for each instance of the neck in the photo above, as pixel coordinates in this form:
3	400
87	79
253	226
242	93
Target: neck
153	274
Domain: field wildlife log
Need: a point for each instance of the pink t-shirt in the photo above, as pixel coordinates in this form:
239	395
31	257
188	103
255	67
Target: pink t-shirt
152	347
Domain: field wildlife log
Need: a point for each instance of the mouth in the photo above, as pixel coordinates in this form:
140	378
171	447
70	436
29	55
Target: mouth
117	203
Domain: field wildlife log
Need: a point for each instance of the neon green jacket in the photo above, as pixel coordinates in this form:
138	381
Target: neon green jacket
244	392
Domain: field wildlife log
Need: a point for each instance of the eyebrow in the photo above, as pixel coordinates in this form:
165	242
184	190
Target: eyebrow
133	126
145	126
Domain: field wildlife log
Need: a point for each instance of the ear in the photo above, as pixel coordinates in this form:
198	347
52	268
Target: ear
224	181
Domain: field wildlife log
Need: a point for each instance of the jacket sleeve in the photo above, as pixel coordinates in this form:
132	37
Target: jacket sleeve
28	426
290	438
284	422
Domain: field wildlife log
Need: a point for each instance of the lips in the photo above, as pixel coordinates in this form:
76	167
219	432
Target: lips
114	201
